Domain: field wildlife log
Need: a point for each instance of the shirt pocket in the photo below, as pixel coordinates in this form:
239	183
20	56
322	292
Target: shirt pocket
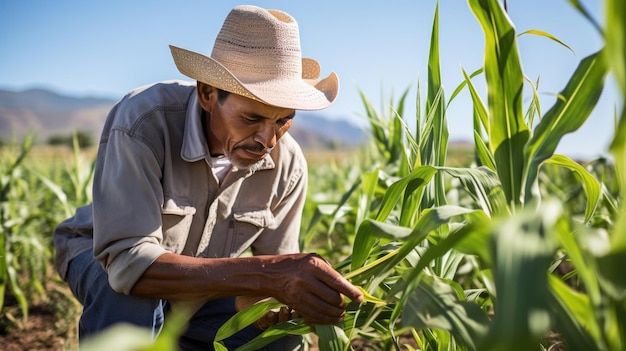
247	226
176	218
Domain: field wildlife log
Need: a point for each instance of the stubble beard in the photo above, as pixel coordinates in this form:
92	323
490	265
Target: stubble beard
238	165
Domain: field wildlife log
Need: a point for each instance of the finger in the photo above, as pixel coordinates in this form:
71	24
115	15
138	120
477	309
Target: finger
321	293
284	314
343	286
269	319
334	280
311	307
314	316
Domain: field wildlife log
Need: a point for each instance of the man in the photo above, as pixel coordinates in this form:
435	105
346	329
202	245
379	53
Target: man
188	177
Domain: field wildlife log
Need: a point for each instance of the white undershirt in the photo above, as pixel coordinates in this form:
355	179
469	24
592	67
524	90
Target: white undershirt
220	165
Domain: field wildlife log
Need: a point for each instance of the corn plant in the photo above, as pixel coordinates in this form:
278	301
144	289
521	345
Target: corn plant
12	215
497	255
32	202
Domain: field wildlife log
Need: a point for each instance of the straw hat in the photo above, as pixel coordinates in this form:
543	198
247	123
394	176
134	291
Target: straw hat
257	55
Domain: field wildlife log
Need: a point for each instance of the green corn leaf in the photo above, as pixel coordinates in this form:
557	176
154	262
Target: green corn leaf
369	298
411	150
476	221
616	40
480	109
483	153
430	220
462	85
481	123
611	273
174	326
507	130
591	186
574	317
567	115
579	6
57	190
331	338
435	149
4	276
616	58
618	149
243	319
120	337
483	186
275	332
534	108
475	229
369	184
431	133
421	175
573	241
374	268
523	247
611	276
435	305
547	35
401	133
434	65
368	234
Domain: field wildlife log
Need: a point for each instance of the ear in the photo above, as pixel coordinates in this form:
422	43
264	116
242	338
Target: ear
207	95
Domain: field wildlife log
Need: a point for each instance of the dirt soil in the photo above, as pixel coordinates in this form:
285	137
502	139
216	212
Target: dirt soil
37	333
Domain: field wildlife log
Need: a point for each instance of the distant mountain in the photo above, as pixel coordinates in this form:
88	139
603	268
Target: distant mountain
314	129
49	113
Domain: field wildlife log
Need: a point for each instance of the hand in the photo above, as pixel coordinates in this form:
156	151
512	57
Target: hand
276	316
309	285
272	317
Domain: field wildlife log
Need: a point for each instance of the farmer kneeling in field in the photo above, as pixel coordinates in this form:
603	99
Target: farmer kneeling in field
189	176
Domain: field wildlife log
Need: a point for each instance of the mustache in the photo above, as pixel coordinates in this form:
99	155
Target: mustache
255	148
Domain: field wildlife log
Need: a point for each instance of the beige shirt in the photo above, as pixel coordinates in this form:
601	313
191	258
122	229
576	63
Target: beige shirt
154	192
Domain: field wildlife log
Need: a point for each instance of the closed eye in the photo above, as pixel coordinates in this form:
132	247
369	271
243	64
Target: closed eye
252	119
284	121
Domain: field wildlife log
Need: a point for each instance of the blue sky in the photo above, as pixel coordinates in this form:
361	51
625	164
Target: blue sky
105	48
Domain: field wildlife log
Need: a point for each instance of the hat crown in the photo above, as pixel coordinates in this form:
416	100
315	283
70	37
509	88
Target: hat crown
259	45
257	55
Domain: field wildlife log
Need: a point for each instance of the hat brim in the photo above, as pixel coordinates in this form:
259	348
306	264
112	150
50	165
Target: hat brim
308	93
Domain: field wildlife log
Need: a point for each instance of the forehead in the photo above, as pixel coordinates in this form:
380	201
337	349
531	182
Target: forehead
253	108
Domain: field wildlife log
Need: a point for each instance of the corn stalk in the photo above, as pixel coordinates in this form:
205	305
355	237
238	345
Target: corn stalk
10	217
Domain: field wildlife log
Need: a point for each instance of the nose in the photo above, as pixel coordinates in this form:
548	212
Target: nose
267	135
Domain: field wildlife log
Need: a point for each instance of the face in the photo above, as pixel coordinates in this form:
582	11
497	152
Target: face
242	129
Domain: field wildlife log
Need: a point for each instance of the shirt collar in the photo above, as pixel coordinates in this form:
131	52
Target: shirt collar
194	146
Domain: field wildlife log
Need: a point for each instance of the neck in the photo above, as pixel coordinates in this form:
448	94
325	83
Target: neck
214	147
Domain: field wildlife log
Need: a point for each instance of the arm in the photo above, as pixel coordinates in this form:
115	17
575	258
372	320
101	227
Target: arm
304	282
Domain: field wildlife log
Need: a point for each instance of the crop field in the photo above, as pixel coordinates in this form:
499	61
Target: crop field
502	245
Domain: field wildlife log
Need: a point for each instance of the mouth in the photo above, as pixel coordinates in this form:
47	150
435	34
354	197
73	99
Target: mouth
256	150
253	152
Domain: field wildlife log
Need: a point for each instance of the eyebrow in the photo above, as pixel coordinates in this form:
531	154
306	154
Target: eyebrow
258	116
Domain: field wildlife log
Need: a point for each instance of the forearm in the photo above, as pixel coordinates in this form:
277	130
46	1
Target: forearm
181	277
304	282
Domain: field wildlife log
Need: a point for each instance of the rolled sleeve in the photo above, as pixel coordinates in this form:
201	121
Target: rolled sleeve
126	208
129	265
